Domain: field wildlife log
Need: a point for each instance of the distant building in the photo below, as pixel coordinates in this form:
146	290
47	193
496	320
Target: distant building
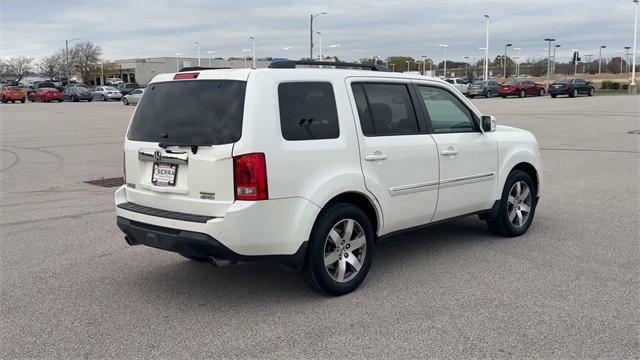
142	70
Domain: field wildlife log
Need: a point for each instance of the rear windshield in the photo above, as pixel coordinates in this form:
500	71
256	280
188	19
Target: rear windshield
198	112
510	82
564	81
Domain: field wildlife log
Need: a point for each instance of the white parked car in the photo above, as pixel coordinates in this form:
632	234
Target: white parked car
461	84
106	93
308	167
133	97
113	81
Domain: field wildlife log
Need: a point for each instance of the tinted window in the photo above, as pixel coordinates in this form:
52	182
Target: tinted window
510	82
446	112
450	81
199	112
386	109
136	92
308	111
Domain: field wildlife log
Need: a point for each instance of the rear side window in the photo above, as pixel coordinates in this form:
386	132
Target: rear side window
385	109
198	112
308	111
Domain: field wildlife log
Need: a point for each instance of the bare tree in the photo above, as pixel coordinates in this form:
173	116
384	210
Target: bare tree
52	65
87	58
18	66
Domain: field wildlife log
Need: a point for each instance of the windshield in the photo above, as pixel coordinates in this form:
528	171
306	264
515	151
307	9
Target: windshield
110	88
197	112
14	88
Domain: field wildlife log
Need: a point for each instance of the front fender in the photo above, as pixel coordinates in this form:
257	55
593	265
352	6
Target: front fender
515	156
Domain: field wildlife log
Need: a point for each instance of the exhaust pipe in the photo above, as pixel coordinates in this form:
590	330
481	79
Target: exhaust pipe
216	262
131	241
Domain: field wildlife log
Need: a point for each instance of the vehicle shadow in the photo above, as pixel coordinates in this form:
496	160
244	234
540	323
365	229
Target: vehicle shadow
186	281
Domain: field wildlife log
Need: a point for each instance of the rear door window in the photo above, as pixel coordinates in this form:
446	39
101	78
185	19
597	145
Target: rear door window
198	112
385	109
308	111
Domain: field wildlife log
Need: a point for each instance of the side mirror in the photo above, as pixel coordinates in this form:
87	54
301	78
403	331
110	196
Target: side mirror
488	123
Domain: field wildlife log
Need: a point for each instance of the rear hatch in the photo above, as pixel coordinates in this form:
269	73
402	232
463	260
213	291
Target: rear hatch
178	153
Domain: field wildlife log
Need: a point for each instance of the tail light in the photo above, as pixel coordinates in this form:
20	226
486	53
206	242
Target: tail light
250	177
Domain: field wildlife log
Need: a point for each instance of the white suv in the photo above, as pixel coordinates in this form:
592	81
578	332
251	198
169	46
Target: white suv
308	167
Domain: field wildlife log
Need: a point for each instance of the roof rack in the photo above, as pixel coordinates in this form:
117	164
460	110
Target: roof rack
291	64
196	68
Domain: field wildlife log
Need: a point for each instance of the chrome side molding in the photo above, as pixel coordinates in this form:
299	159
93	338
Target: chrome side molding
179	157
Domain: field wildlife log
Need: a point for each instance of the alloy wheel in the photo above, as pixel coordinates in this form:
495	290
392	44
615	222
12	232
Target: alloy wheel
519	204
345	249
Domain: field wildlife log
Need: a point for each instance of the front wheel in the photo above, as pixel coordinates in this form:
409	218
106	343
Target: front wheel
573	93
76	98
103	98
340	250
554	95
541	92
516	207
125	101
522	94
488	94
504	96
592	92
22	100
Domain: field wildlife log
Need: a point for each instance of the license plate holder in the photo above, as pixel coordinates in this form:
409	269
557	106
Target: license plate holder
164	174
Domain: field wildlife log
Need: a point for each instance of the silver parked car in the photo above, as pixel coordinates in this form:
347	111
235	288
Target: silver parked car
106	93
133	97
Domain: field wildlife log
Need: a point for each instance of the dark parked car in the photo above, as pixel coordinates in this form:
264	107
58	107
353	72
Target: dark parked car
520	88
483	88
127	88
571	87
77	93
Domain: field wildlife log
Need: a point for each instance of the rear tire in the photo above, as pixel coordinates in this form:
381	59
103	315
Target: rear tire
90	100
504	96
471	96
125	101
75	98
592	92
488	94
340	250
554	95
512	218
573	93
22	100
541	92
103	98
522	94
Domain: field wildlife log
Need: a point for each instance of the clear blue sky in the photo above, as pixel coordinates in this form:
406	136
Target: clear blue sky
363	28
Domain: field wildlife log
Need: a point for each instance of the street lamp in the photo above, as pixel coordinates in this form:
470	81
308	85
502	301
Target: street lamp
245	51
575	62
66	46
626	56
485	63
320	45
600	59
408	65
210	52
517	62
588	56
253	50
393	67
444	46
549	40
424	64
505	60
553	64
632	88
178	54
197	44
334	46
311	33
486	52
466	67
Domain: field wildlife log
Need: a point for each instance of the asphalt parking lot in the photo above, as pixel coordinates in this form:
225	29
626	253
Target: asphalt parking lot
71	287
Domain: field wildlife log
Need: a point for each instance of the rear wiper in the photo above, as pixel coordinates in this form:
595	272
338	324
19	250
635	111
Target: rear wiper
194	148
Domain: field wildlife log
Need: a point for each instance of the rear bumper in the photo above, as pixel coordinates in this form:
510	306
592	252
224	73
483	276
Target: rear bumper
476	91
197	244
261	230
559	91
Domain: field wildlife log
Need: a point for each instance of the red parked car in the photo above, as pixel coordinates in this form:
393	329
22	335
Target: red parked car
46	95
13	94
520	88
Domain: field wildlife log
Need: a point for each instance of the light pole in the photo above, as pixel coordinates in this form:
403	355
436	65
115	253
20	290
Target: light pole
334	47
486	52
66	46
210	52
466	67
600	59
575	61
253	50
632	87
424	64
197	44
485	63
287	48
517	62
393	67
245	51
311	33
319	46
553	64
444	46
505	59
549	40
626	56
177	59
408	65
101	73
589	63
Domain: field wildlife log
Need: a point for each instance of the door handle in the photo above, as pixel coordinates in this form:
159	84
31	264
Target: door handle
376	157
450	151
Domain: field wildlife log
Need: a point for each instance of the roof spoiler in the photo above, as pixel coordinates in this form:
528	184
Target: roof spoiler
292	64
196	68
